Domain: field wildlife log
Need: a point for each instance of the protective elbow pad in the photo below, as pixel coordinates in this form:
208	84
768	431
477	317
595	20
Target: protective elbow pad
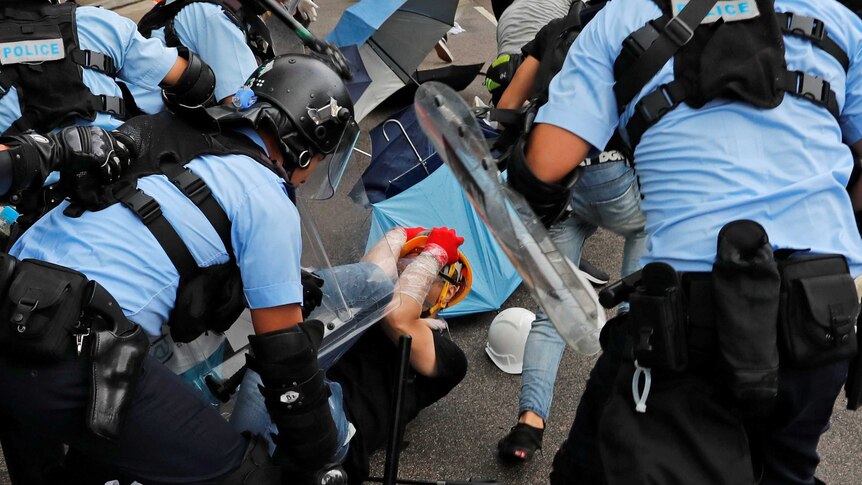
549	201
295	393
196	86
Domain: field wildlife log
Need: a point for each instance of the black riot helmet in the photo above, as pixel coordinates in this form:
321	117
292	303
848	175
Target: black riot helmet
306	104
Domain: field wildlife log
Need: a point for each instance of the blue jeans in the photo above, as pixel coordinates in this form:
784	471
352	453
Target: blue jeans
366	290
607	195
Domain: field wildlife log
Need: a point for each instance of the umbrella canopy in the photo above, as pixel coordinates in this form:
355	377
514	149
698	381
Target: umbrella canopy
439	201
401	156
405	192
360	80
392	41
360	21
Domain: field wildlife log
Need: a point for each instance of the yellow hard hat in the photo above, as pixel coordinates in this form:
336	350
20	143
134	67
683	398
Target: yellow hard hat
458	273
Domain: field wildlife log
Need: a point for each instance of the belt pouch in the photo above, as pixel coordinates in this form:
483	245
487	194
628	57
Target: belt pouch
658	319
819	306
746	288
40	313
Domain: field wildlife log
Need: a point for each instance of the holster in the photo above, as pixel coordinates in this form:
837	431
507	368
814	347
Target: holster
658	319
746	286
50	313
118	349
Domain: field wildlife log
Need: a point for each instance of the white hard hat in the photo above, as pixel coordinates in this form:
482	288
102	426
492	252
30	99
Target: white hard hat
507	338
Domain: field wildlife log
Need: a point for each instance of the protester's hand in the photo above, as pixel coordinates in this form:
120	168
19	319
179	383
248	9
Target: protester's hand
312	292
87	151
412	232
446	239
308	10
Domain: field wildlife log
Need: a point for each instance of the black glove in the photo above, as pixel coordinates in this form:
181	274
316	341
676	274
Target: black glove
312	293
75	151
92	159
90	151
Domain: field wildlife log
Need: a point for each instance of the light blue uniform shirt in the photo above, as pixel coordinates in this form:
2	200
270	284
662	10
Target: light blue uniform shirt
785	168
142	61
205	30
114	247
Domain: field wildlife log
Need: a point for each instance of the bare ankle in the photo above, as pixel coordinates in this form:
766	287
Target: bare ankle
532	419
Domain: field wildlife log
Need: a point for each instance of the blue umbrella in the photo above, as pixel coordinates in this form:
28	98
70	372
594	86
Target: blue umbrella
439	201
359	22
360	80
404	192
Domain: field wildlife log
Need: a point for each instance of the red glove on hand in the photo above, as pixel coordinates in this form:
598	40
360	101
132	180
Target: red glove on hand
446	239
413	231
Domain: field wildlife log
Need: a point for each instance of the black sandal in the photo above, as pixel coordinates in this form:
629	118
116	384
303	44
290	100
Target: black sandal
520	444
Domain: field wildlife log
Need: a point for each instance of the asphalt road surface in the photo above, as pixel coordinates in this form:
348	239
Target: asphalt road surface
456	438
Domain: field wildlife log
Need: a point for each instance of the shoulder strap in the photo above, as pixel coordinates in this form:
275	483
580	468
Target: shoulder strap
654	46
652	107
813	30
147	209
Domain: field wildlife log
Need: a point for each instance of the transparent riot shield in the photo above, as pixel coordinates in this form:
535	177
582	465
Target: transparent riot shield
556	284
357	291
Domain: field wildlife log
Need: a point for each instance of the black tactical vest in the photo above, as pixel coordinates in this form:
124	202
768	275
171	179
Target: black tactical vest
244	16
740	60
50	92
209	298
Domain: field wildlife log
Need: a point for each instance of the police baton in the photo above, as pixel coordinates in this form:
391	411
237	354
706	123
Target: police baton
327	50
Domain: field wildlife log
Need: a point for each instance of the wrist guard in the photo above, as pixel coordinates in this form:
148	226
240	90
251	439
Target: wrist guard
295	394
550	201
194	89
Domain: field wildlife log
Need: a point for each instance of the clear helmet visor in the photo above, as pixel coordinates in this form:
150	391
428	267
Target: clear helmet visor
324	180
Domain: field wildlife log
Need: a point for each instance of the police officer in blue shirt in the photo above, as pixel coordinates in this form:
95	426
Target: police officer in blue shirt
198	225
229	37
76	74
740	131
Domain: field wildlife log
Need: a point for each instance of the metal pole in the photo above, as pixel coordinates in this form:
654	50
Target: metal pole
396	423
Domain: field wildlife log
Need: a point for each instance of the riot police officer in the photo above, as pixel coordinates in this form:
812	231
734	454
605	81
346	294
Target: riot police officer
78	73
198	225
738	129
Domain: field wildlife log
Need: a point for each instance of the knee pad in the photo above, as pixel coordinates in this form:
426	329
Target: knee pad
295	393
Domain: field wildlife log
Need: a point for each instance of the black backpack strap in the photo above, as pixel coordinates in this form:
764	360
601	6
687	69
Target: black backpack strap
653	46
8	77
150	213
652	108
198	192
666	97
813	30
96	61
812	88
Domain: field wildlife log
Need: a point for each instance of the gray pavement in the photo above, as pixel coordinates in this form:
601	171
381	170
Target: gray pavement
456	438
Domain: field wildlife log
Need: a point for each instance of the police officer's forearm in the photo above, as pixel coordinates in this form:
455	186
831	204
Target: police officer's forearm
176	72
521	86
276	318
552	152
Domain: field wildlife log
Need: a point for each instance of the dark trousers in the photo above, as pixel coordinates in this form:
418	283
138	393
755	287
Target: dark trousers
170	434
783	446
